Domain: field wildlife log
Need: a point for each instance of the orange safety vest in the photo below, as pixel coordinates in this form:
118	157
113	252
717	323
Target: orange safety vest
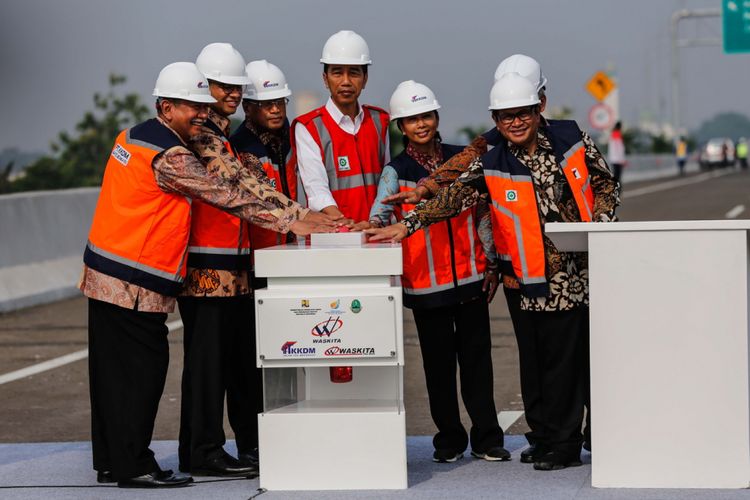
516	223
353	162
218	240
280	170
444	264
139	233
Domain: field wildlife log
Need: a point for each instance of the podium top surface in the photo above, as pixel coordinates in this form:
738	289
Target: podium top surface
303	260
573	236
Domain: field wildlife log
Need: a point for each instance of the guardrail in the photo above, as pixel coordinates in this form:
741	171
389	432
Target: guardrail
43	235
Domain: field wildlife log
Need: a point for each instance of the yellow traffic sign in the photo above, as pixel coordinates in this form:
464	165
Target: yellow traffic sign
600	85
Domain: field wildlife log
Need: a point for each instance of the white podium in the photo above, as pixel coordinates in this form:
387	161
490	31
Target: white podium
335	303
669	351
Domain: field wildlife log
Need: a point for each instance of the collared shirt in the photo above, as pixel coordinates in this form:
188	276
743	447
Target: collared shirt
177	170
312	170
567	272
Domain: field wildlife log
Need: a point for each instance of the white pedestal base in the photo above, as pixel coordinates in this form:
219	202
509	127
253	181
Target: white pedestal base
325	445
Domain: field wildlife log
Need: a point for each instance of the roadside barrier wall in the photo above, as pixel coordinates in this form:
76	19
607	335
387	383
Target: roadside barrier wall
42	237
43	233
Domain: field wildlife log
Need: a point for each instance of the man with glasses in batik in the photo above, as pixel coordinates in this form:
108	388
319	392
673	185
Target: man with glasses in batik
262	141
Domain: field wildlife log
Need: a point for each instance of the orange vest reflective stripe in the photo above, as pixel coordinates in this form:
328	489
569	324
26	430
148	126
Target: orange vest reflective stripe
139	233
281	172
444	264
516	223
218	240
353	162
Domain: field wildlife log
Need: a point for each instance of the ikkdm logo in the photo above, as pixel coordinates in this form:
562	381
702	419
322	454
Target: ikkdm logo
417	98
269	84
327	327
202	85
288	349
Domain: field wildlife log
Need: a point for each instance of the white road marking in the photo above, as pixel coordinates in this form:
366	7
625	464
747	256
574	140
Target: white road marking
62	360
46	365
508	418
663	186
736	211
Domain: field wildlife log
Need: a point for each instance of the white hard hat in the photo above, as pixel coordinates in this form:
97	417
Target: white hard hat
526	66
513	91
183	80
267	82
221	62
346	47
411	98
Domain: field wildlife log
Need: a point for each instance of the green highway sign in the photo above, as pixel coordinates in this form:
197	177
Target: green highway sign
736	22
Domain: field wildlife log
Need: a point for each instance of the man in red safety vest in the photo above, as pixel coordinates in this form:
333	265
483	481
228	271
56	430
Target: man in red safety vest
341	147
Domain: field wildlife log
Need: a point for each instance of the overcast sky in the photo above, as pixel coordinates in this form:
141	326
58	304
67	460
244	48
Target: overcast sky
54	54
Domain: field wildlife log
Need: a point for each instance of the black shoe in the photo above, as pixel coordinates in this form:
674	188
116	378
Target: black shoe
104	477
158	479
249	458
533	453
496	454
225	466
556	460
446	456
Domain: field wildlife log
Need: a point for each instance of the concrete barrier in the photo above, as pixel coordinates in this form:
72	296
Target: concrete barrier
648	167
42	236
43	233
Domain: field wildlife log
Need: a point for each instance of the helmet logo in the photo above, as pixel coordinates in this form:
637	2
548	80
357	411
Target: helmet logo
269	84
416	98
202	85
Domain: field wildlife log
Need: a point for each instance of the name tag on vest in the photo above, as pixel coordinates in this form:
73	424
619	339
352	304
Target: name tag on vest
576	173
343	163
121	154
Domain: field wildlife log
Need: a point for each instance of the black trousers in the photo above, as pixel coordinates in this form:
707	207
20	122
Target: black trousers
128	360
219	360
459	333
554	367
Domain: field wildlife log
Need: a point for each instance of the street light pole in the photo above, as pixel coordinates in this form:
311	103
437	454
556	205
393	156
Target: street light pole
678	16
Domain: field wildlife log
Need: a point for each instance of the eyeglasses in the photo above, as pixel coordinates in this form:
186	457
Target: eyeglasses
280	103
524	115
227	88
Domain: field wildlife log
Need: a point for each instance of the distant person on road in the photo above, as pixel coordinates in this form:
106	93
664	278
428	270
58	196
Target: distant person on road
742	152
616	152
134	267
450	276
681	154
529	184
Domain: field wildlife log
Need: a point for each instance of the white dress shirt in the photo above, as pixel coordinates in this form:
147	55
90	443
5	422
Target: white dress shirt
312	171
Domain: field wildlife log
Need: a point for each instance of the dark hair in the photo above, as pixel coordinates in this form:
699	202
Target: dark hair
618	125
326	66
405	140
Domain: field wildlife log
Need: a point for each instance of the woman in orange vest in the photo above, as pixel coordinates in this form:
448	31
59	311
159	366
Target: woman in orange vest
446	279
